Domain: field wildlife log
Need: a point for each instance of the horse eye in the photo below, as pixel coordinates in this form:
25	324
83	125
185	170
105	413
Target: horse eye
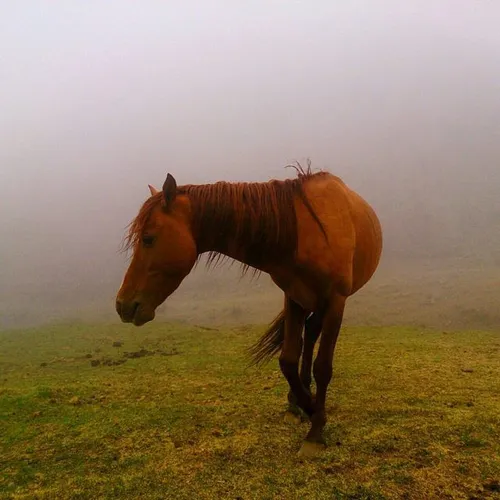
148	241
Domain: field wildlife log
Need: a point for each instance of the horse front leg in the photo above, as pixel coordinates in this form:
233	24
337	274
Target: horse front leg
322	369
312	331
290	355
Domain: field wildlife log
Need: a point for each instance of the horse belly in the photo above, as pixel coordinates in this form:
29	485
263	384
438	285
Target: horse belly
297	289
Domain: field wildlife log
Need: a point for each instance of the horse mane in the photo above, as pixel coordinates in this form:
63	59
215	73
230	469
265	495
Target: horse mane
257	218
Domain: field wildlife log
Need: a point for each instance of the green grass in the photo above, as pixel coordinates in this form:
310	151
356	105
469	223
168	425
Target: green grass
412	414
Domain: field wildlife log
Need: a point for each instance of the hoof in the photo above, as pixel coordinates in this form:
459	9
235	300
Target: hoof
292	418
310	449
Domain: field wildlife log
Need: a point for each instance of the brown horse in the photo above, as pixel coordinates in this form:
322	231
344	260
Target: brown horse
318	240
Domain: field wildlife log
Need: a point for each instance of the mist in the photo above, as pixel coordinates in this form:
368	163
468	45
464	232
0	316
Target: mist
402	101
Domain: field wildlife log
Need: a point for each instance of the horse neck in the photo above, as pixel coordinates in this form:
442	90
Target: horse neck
260	232
219	239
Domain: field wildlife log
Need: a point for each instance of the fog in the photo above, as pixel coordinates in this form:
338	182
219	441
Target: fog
400	99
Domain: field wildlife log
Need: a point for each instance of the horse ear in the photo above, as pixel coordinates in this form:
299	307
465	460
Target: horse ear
169	190
152	190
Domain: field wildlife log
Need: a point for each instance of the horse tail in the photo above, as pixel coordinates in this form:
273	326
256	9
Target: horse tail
270	342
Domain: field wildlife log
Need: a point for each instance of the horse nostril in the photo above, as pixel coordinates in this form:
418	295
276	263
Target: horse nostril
126	310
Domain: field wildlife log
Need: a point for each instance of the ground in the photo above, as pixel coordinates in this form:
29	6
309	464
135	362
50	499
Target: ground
172	411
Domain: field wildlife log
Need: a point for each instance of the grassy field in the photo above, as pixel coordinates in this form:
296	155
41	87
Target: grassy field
174	412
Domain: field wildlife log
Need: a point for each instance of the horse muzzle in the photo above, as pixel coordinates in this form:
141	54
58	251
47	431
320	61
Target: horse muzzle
134	312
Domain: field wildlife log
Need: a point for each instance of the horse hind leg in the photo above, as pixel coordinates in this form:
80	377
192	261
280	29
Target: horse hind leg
312	331
322	369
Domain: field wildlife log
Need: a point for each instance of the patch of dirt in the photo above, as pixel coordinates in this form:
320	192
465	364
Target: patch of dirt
492	486
138	354
206	328
141	353
112	362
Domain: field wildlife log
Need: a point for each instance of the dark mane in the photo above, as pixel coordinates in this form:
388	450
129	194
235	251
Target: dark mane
257	219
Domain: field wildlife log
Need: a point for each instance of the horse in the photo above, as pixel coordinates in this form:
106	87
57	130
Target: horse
318	240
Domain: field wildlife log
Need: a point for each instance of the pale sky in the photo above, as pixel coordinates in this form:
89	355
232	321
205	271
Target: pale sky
98	99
